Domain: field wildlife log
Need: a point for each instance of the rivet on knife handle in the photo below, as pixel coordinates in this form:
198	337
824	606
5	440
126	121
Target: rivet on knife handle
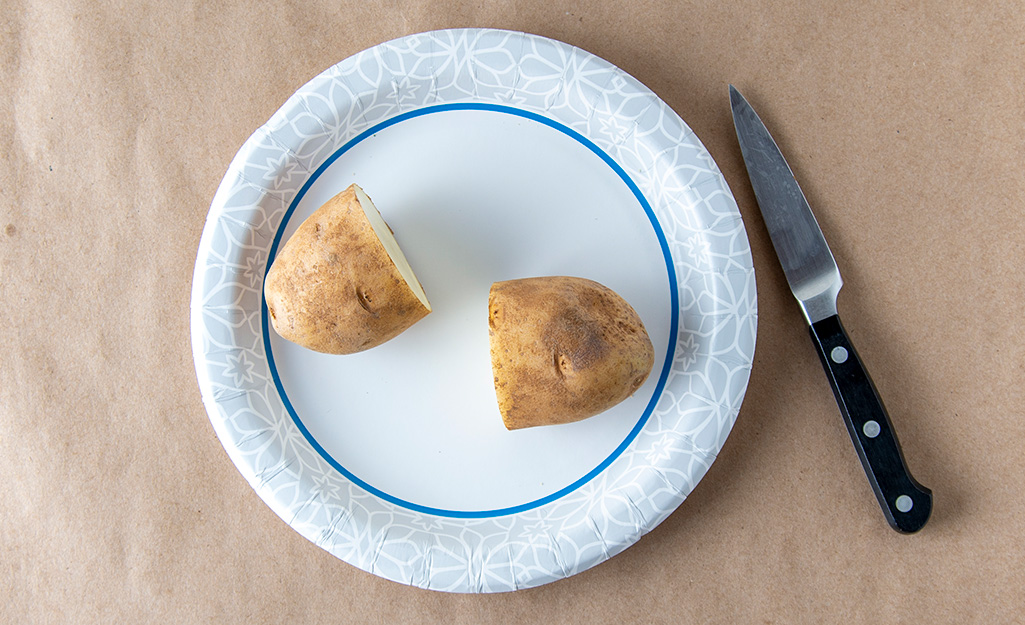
906	503
814	278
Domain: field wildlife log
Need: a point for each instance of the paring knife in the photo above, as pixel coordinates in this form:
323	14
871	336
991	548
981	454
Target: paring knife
815	281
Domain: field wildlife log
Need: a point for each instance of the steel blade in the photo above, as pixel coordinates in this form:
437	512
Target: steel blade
807	261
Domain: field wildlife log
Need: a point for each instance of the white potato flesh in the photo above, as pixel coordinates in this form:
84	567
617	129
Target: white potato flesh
384	234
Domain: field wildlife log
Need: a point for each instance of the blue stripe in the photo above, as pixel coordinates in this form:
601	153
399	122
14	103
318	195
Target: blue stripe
673	290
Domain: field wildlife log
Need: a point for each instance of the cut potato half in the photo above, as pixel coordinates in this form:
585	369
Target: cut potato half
563	349
341	283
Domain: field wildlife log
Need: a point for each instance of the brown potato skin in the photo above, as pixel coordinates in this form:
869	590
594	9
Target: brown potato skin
563	349
333	288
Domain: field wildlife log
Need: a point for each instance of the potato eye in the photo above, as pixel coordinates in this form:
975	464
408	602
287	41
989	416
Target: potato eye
364	299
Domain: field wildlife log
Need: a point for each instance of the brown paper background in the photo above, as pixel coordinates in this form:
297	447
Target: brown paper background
905	123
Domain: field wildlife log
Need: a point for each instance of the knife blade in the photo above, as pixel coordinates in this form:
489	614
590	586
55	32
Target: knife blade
814	279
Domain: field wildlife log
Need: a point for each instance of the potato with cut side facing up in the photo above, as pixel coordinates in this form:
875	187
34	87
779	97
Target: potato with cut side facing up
563	349
341	284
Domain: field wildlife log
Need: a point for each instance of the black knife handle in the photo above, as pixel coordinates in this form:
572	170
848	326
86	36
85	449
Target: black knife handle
906	503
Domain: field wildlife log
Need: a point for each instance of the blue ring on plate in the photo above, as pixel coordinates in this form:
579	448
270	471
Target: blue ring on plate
673	290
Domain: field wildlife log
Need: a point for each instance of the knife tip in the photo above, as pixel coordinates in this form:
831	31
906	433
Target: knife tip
735	97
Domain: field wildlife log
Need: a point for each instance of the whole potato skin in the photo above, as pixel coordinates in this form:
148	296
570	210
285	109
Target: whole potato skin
333	288
563	349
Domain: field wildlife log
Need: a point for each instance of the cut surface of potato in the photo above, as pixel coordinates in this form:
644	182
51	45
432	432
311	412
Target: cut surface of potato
387	238
341	284
563	349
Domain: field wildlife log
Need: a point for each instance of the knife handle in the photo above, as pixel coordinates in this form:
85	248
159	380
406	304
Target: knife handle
906	503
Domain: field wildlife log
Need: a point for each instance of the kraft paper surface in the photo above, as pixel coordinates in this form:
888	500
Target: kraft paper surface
904	122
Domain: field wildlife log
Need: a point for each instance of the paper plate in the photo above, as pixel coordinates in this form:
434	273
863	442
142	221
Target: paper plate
493	155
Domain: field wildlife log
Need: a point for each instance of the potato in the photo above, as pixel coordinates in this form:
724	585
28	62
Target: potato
563	349
341	284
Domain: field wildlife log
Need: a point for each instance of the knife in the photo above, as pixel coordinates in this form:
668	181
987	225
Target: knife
815	281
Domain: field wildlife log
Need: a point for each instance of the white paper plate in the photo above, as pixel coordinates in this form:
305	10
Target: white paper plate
493	155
